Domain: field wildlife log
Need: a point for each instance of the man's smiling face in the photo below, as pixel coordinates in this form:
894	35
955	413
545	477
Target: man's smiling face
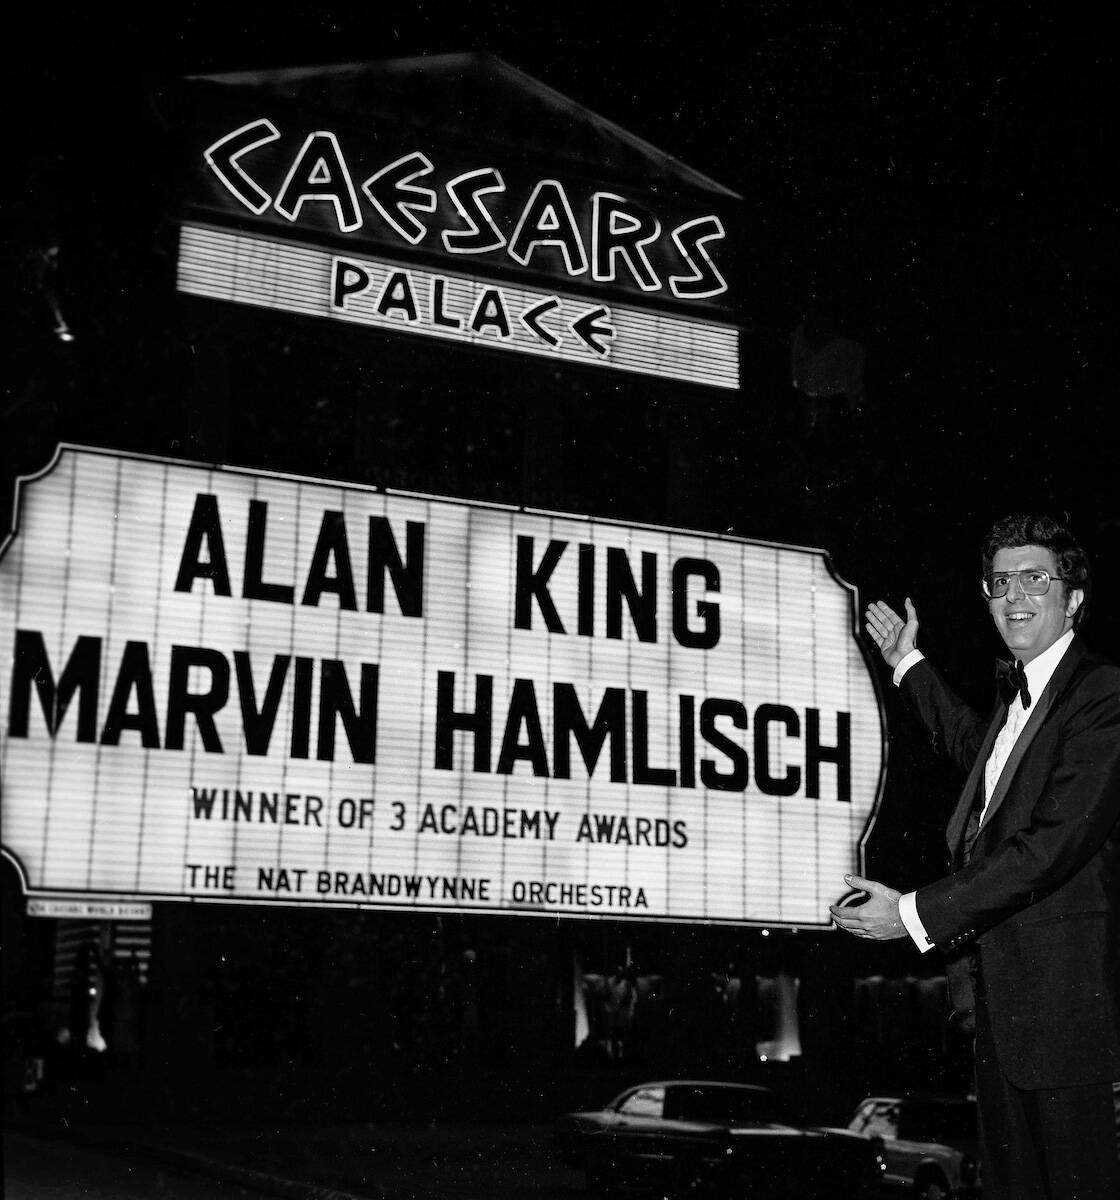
1031	624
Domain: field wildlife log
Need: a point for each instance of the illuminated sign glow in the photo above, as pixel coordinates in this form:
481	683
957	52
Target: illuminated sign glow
318	184
267	273
236	686
571	253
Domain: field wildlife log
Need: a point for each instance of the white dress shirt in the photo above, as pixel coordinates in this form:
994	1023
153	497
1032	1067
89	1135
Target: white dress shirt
1038	671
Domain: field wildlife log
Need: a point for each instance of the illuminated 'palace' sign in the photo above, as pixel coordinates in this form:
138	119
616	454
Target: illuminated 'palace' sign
235	686
358	225
266	273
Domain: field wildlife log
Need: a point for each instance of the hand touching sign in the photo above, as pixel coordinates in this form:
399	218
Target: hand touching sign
876	917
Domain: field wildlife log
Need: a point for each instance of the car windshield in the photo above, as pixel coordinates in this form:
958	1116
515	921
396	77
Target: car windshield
938	1121
643	1102
695	1102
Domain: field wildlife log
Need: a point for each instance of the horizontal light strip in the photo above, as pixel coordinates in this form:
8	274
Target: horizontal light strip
267	273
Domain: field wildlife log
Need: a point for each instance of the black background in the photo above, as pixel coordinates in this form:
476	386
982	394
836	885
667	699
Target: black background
939	177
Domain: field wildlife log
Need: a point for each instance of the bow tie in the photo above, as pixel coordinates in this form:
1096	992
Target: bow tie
1011	680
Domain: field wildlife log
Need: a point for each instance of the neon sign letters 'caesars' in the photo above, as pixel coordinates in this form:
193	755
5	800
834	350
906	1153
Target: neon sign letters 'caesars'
616	248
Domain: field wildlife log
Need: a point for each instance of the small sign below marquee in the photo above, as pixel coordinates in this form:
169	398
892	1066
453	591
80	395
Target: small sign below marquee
86	909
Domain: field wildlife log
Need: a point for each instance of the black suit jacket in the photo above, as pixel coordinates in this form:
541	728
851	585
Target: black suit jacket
1039	898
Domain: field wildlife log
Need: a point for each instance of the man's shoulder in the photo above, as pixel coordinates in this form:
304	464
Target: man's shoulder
1091	672
1086	661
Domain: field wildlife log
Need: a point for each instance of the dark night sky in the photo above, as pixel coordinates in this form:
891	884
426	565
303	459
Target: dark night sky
941	175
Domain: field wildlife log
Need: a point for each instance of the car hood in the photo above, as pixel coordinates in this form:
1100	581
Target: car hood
789	1131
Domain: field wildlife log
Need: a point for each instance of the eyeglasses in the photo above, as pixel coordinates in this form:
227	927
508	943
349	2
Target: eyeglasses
1033	580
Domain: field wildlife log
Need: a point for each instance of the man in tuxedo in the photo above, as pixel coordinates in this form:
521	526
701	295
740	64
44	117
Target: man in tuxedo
1029	915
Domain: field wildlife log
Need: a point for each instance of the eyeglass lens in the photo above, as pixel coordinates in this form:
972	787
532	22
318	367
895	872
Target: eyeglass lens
1034	582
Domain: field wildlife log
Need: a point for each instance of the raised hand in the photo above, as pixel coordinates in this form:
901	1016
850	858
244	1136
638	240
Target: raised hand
894	636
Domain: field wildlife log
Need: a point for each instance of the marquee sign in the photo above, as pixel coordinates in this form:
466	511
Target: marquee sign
458	243
236	686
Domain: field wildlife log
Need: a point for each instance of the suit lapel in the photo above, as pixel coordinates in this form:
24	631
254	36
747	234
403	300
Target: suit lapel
954	831
1042	706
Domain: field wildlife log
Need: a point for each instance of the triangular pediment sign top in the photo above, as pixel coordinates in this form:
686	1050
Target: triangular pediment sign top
475	95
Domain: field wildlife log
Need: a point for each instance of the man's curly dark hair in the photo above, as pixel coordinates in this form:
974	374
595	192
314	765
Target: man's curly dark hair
1022	529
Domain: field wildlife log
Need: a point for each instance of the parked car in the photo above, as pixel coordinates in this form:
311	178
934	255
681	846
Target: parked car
703	1137
930	1144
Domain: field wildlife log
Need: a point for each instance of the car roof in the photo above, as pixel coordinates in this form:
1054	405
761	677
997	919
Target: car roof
709	1083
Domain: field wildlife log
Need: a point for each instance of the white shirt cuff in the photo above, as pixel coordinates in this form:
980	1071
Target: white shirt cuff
908	911
915	656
